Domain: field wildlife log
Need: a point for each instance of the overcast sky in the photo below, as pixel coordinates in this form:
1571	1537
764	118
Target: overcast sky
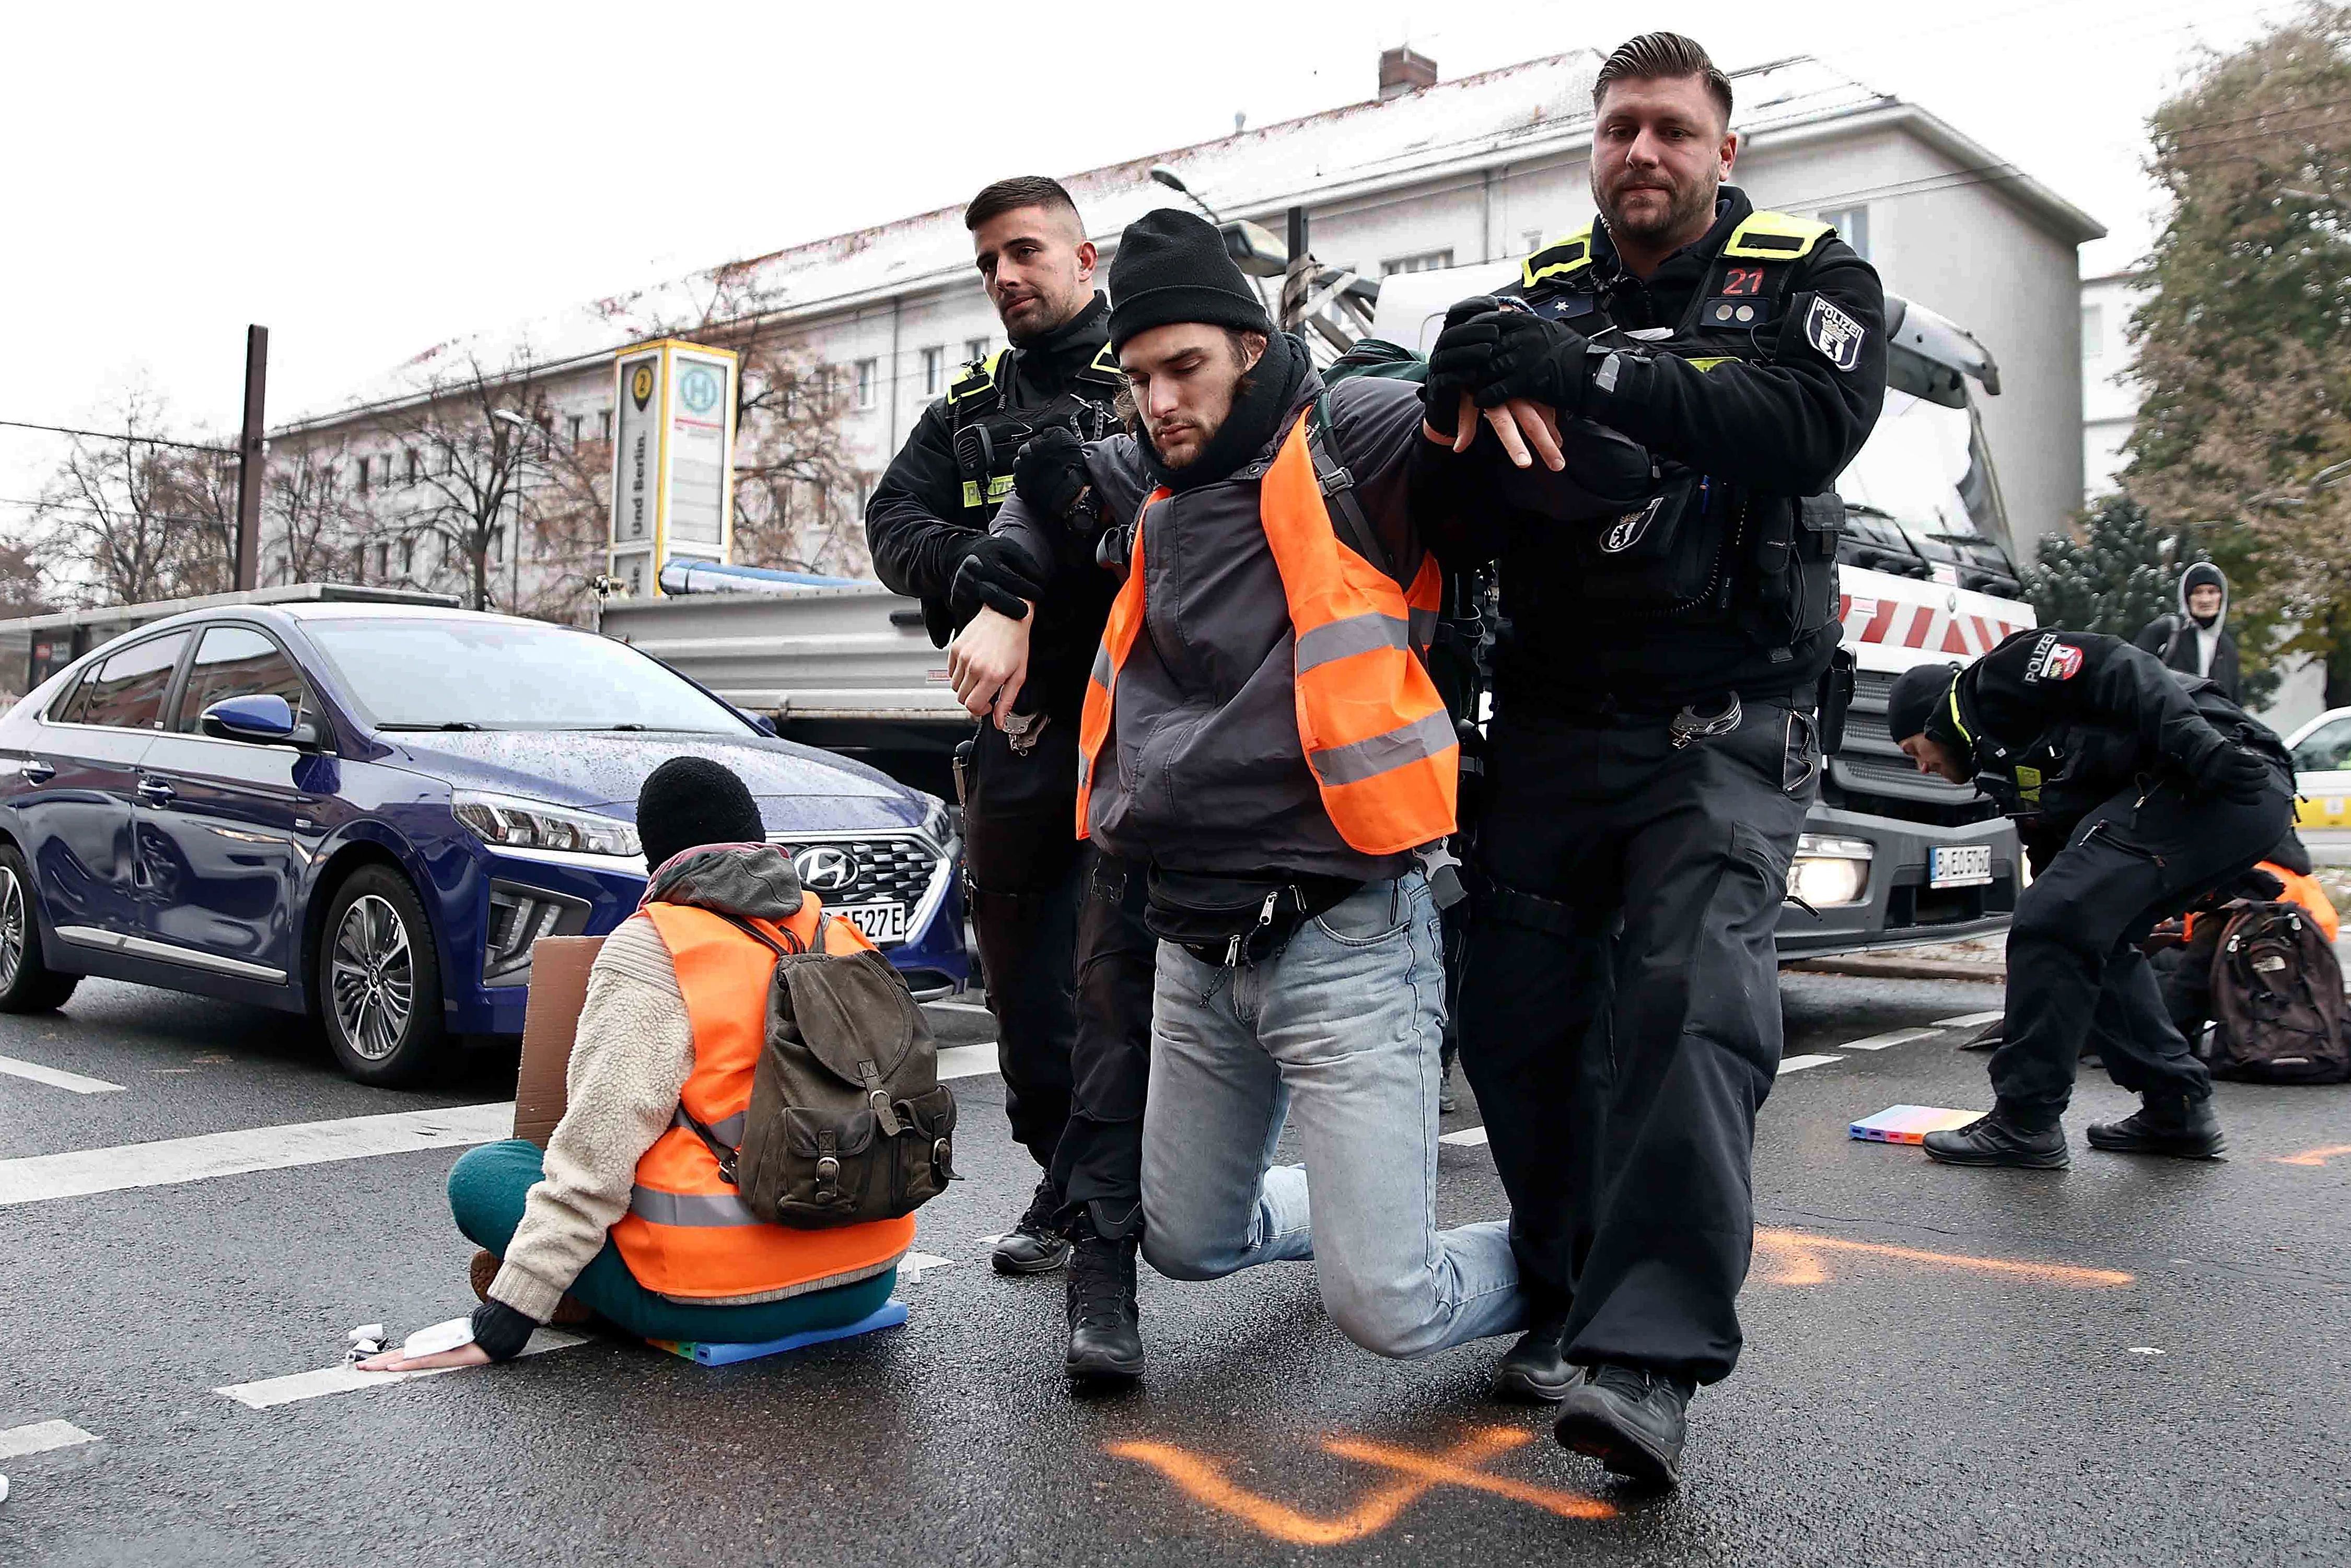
368	180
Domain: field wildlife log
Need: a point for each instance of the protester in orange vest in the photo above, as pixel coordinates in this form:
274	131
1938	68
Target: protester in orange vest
2185	973
626	1211
1261	733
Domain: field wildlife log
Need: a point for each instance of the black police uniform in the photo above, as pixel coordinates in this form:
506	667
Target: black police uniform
2107	762
1651	753
1057	968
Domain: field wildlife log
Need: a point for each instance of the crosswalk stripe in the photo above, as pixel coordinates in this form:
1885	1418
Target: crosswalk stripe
39	1177
1467	1138
1798	1063
1970	1020
56	1077
1889	1039
299	1386
39	1437
967	1060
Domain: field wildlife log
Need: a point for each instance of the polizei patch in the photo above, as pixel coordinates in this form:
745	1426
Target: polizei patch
2053	659
1836	335
1626	531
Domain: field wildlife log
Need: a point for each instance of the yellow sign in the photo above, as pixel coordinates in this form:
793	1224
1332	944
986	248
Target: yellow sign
673	460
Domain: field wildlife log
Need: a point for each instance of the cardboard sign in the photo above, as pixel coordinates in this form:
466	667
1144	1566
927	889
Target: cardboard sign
1909	1123
559	990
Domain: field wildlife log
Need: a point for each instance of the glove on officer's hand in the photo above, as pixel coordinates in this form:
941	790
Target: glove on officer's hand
994	575
2222	769
1050	474
1504	354
1440	393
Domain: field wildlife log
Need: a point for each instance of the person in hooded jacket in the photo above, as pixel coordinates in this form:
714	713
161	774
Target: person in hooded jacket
588	1228
2196	640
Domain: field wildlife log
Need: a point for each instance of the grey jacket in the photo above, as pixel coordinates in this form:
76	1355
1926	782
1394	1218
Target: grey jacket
1204	771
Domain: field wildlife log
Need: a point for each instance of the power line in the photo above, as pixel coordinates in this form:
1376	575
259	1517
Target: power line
118	512
118	436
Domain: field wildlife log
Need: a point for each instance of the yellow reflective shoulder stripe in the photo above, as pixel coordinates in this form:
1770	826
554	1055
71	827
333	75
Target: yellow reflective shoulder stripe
979	377
1774	237
1709	362
1107	362
1560	259
1960	723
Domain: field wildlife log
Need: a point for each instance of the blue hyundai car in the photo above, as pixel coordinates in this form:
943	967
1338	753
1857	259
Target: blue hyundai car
368	813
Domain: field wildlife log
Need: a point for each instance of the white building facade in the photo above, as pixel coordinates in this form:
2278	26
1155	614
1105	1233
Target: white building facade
2109	396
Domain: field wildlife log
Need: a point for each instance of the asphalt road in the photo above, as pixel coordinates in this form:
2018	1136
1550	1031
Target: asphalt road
2128	1362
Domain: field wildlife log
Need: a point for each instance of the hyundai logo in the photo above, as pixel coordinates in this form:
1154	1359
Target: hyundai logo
824	868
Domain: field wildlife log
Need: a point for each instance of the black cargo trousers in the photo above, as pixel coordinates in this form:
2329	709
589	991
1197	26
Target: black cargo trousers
1620	1015
2076	974
1068	962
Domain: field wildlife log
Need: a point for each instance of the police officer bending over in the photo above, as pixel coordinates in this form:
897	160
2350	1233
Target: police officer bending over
1029	880
1653	743
2136	791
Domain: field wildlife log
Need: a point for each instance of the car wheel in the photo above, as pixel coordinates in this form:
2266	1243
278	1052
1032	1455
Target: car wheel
27	985
377	984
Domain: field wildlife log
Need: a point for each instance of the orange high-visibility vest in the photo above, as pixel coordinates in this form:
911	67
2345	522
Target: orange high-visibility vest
1377	735
2299	889
687	1233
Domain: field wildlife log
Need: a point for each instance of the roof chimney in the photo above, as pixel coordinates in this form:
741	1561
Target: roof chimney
1401	71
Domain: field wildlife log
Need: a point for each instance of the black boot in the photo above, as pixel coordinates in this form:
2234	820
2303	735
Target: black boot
1631	1419
1105	1339
1034	1246
1998	1140
1535	1371
2186	1129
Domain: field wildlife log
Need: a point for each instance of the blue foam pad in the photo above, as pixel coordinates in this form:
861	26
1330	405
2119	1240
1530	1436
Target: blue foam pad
888	1315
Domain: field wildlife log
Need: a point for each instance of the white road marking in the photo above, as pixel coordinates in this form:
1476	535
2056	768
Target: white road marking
56	1078
1467	1138
967	1060
1970	1021
40	1178
1891	1038
923	1260
299	1386
39	1437
964	1008
1798	1063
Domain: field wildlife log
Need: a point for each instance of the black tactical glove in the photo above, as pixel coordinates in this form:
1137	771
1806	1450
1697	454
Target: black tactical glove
1501	354
994	575
1050	474
2221	767
1440	393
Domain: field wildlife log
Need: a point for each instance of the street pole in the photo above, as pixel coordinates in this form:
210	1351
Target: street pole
250	471
1298	282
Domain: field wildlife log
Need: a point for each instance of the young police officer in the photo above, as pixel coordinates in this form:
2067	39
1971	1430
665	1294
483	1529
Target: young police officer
2135	791
1654	744
1026	877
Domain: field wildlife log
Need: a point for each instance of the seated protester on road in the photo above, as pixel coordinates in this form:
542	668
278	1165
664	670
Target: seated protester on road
626	1211
2135	792
1259	734
2185	971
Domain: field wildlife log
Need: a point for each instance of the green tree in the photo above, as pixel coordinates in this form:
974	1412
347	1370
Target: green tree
2244	344
2122	573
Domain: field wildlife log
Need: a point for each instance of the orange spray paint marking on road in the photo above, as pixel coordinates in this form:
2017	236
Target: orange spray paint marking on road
2318	1156
1795	1259
1204	1481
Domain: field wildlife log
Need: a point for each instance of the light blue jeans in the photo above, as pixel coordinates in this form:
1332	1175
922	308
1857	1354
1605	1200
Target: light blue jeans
1339	1031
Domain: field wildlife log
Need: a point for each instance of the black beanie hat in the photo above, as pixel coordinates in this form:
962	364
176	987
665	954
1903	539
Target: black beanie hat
692	800
1912	701
1173	267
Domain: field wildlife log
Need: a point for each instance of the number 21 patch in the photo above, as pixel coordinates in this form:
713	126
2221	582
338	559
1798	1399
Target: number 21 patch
1836	335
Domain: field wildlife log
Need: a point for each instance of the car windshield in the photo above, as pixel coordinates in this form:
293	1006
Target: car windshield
1926	469
449	673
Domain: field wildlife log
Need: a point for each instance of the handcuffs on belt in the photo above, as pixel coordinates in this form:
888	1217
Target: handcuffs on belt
1691	725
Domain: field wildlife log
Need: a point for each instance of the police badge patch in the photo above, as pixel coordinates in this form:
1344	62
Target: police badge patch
1836	335
1626	531
2053	659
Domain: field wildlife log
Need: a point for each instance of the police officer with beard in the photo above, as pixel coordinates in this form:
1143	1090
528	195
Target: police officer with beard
1062	942
1655	740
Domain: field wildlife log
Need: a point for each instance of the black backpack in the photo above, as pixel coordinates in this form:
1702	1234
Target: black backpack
2277	999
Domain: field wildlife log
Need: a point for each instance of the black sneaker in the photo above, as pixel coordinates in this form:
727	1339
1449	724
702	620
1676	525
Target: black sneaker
1105	1336
1632	1420
2185	1129
1034	1245
1994	1140
1534	1371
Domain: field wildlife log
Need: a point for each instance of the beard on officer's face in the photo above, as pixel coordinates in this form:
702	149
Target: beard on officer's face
1654	203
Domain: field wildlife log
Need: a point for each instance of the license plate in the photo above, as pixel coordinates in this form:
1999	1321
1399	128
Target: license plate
1959	865
879	921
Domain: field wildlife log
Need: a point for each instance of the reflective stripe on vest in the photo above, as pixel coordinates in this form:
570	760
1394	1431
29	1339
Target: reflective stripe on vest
687	1233
1375	734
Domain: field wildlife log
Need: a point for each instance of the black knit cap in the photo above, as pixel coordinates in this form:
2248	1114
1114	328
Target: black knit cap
692	800
1912	701
1171	267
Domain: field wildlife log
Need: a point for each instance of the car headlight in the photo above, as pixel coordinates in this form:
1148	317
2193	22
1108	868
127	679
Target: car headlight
1829	870
509	822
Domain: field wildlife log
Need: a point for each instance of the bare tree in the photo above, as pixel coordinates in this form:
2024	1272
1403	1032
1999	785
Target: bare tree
307	512
481	441
125	520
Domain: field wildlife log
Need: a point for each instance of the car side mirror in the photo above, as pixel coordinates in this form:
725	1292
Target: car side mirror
265	718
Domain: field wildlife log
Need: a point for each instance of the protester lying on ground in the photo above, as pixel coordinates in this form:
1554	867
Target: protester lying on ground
627	1210
2135	793
1276	754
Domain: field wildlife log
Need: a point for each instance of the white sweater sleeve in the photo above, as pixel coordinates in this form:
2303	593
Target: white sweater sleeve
634	1053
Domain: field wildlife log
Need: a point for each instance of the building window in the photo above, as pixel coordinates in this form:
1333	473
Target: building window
1852	224
498	543
2094	331
1531	240
867	375
1425	261
577	421
363	476
413	466
384	563
934	370
604	424
407	554
975	349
